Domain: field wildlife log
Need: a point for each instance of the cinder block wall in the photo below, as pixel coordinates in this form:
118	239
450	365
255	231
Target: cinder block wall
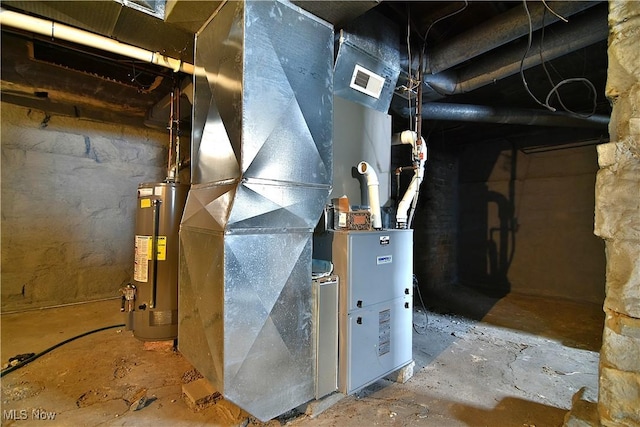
617	221
68	204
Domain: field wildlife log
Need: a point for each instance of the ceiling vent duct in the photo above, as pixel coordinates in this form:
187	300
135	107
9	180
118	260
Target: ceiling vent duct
366	68
261	174
152	7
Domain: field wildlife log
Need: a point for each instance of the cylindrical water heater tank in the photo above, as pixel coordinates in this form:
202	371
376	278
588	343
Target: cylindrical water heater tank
153	296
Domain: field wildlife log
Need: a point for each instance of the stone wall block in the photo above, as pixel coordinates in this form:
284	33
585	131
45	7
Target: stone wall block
624	56
621	343
621	154
607	154
623	277
617	220
618	203
619	394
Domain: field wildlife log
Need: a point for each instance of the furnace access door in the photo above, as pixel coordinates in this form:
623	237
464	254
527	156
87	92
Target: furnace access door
375	303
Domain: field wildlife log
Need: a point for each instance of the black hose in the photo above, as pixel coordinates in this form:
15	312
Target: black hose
42	353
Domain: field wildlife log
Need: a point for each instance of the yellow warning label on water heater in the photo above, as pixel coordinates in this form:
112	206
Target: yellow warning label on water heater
144	250
161	248
145	203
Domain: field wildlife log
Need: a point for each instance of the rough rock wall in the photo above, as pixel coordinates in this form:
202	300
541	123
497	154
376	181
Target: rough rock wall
617	221
68	205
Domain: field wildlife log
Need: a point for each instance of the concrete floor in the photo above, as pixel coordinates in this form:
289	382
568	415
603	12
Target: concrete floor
480	361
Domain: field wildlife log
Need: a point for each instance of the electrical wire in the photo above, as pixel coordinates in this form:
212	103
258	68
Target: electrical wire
526	52
422	330
455	12
42	353
555	88
542	61
563	81
413	84
588	83
554	12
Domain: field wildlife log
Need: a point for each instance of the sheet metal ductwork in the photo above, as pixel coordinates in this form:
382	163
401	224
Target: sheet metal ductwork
367	61
261	174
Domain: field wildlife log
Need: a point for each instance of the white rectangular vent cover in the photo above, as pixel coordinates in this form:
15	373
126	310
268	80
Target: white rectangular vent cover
367	81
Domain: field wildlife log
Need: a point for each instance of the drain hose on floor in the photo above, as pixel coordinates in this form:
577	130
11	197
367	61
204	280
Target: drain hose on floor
42	353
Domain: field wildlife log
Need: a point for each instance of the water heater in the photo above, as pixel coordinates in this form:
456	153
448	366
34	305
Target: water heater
151	300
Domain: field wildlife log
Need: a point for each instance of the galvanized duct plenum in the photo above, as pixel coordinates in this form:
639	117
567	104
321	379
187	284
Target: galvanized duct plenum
261	170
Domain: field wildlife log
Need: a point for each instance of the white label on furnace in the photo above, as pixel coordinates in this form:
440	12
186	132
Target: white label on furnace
384	259
141	259
342	219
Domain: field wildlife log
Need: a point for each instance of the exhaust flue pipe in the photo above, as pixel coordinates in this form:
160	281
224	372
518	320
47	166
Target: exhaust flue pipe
410	199
365	169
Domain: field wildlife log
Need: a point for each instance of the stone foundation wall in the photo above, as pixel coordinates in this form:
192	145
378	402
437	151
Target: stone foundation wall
68	205
617	221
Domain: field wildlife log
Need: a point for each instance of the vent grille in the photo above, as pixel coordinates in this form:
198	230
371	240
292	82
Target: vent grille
152	7
96	63
361	79
366	81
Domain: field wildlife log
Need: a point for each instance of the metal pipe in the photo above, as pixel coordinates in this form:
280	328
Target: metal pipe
496	32
171	118
55	30
154	250
521	116
177	122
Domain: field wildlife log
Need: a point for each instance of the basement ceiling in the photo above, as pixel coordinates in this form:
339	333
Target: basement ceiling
67	78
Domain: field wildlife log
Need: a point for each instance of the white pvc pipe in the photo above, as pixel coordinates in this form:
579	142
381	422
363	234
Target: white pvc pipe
410	197
365	169
402	212
405	137
64	32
